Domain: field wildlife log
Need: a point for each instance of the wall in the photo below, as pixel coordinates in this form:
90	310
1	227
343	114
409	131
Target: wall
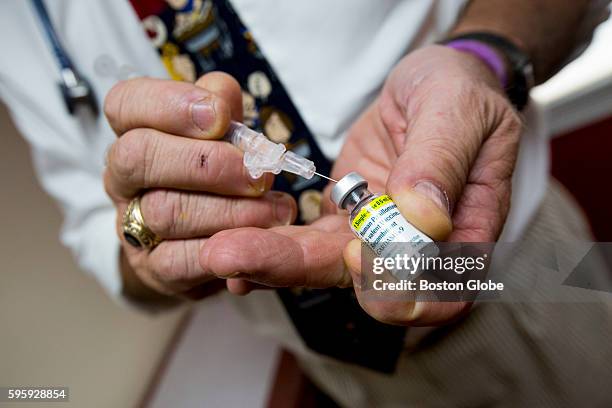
56	325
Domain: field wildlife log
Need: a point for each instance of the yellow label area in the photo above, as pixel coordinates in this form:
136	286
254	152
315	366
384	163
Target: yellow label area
380	202
361	217
366	212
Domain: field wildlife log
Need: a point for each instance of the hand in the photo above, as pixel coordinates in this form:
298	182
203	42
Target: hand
192	185
451	141
442	140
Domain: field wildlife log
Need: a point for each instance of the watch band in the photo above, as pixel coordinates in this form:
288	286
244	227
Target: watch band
488	54
520	79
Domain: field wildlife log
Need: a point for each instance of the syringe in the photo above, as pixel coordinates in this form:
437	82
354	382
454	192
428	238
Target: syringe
262	155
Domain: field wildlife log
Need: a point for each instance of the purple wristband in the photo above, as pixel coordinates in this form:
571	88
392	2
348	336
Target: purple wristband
486	54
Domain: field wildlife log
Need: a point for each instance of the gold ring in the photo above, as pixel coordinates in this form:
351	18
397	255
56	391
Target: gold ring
135	231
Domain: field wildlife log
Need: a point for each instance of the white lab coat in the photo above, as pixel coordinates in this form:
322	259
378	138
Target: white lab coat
332	57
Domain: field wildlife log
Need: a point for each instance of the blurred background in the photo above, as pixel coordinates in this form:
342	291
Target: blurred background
57	327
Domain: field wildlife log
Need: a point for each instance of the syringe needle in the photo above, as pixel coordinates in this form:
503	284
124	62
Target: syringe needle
325	177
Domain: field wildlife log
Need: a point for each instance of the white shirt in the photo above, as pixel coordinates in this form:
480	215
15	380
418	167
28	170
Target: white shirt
332	56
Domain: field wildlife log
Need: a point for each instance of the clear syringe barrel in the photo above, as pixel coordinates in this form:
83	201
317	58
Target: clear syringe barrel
262	155
240	135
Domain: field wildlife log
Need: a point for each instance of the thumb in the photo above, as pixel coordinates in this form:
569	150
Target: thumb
436	152
393	310
425	205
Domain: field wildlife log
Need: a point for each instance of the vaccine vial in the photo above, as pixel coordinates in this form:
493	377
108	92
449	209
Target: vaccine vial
376	220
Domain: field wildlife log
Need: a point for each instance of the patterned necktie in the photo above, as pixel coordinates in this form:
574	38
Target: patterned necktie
198	36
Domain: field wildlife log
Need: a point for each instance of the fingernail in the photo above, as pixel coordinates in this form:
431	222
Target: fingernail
353	252
417	310
431	191
355	275
258	184
283	208
203	114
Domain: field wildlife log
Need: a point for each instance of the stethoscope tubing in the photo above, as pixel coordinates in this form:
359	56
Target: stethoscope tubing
60	53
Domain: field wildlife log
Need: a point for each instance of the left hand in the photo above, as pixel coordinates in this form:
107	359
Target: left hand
443	139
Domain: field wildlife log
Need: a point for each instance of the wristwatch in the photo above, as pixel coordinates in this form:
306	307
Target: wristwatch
520	76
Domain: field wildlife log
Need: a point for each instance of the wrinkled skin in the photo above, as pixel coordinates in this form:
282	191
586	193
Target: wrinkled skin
442	140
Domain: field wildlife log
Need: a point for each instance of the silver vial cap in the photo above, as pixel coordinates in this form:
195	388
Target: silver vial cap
345	186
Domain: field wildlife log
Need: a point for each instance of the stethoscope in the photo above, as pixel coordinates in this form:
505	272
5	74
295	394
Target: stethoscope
75	88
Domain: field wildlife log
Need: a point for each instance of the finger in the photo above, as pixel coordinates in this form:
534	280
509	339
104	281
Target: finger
438	145
308	256
398	312
227	88
243	287
175	214
148	158
485	202
327	205
352	259
178	108
173	267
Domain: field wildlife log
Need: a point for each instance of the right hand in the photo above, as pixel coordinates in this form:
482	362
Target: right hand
192	184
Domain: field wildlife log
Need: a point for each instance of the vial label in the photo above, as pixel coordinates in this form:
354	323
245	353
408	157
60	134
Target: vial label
381	225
